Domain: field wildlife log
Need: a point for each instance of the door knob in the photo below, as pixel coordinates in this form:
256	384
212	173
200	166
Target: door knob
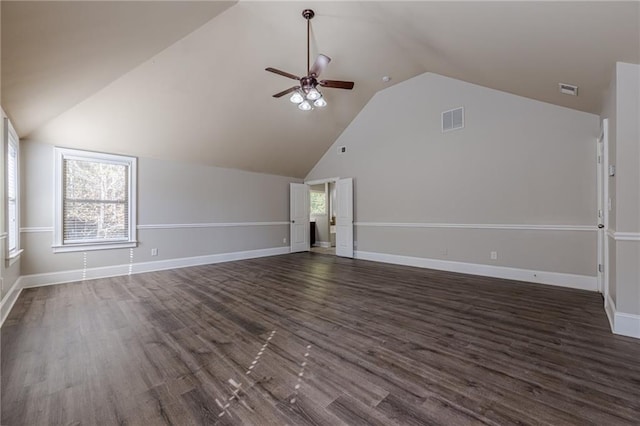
293	221
600	225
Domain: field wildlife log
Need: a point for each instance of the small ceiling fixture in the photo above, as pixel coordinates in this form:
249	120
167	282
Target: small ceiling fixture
568	89
386	79
306	95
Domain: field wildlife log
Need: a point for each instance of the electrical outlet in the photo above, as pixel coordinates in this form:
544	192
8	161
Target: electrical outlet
284	240
494	255
154	252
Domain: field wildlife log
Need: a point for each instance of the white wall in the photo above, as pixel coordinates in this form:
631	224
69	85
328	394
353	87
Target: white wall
516	162
622	108
171	197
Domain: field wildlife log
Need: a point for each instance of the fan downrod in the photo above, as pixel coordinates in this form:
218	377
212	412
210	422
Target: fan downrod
308	14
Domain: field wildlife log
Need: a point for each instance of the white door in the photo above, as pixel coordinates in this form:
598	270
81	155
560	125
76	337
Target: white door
299	217
600	213
603	208
344	217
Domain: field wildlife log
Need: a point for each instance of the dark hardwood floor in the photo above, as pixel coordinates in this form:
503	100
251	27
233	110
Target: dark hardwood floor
314	339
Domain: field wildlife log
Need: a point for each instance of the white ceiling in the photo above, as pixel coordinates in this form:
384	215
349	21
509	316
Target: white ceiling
185	80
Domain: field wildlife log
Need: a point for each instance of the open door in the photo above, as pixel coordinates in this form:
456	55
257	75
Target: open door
602	219
299	217
344	217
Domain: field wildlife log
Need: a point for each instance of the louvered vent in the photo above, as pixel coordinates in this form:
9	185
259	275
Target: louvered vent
453	119
568	89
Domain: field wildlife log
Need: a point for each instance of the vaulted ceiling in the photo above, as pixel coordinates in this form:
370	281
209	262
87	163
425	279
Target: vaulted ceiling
185	80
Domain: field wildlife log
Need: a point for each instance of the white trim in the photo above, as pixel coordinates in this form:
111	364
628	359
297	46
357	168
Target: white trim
93	246
3	236
37	280
623	236
626	236
627	325
209	225
60	154
34	229
610	309
582	282
622	323
14	256
479	226
9	300
319	181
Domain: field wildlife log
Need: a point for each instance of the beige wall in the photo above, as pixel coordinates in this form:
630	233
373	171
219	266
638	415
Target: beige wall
622	108
169	193
517	161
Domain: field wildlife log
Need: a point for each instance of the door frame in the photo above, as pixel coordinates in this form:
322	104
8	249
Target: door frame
320	182
324	180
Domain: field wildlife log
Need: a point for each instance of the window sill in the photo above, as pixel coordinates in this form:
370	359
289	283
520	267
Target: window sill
93	246
14	256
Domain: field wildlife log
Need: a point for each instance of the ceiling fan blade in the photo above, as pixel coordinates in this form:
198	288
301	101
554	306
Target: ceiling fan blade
337	84
285	92
319	65
282	73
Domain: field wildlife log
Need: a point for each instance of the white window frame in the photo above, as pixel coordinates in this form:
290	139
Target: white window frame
12	140
58	232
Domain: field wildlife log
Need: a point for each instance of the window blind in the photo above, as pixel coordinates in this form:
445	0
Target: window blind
12	192
95	201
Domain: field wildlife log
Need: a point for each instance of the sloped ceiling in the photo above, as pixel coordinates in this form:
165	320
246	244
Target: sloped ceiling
185	80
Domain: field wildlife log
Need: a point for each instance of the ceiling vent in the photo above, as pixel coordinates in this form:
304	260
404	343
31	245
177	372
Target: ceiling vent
453	119
568	89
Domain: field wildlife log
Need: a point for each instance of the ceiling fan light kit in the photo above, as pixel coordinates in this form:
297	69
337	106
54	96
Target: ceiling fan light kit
307	95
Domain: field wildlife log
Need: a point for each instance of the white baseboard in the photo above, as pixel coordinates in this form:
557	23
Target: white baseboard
323	244
38	280
610	309
10	299
582	282
621	323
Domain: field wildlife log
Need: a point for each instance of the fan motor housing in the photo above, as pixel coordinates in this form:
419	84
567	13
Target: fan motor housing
308	83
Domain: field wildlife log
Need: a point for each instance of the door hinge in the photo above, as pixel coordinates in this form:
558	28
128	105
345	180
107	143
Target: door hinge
599	160
600	213
600	267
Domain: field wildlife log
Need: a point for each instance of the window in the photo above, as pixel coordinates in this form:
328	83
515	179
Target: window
95	201
13	192
318	203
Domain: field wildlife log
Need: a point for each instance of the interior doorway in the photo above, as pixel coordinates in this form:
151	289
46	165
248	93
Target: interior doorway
322	217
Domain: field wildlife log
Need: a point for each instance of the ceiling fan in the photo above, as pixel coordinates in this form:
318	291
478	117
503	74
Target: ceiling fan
306	93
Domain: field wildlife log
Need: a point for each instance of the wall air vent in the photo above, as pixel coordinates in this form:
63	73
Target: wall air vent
568	89
453	119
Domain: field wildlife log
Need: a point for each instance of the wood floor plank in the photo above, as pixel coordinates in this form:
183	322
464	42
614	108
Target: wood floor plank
324	340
